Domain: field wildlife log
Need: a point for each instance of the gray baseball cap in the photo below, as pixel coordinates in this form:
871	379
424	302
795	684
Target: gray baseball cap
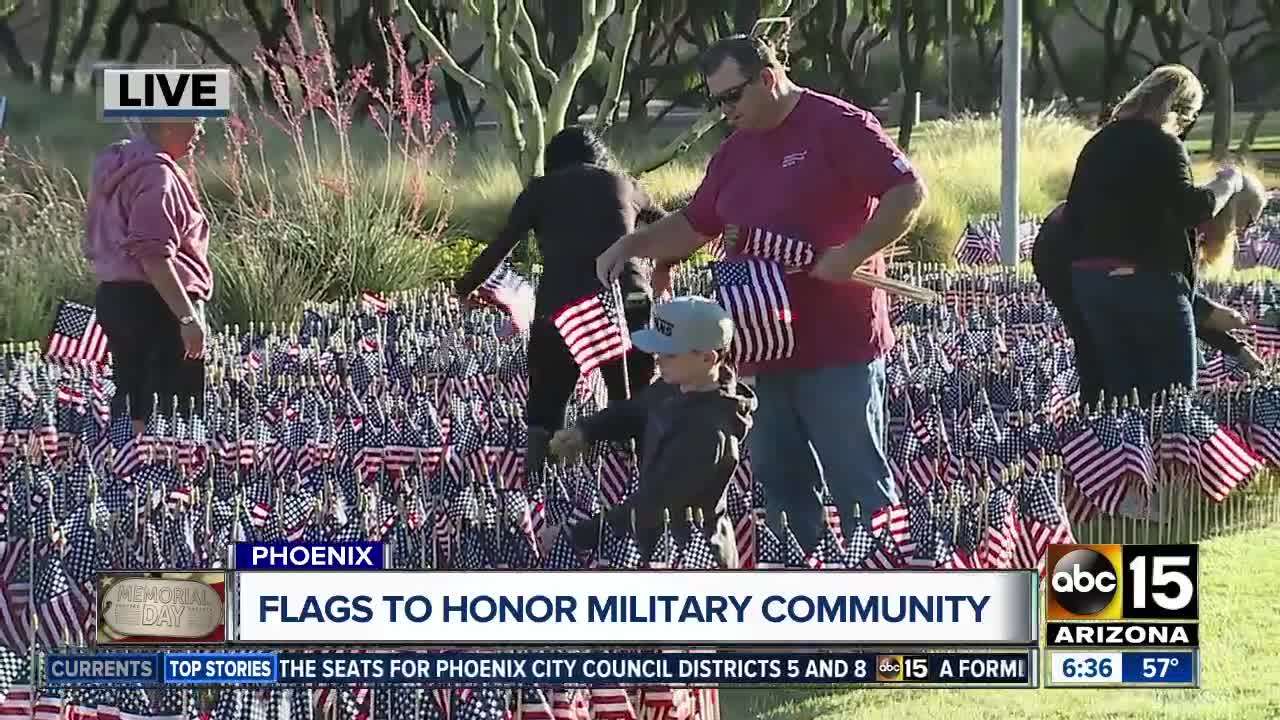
686	324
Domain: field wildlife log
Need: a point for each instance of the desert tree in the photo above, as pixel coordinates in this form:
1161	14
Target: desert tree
1118	24
1041	18
1268	42
839	37
915	24
527	116
1214	42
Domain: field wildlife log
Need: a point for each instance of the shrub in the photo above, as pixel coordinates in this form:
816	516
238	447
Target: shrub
300	212
41	221
960	161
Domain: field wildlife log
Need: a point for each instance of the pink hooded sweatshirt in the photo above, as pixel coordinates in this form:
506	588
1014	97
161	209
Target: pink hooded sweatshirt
141	205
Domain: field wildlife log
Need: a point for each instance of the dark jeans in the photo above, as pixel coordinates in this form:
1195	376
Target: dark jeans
1057	287
1143	327
148	360
553	373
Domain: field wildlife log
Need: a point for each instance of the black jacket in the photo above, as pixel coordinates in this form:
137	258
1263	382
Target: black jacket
577	213
1133	197
691	450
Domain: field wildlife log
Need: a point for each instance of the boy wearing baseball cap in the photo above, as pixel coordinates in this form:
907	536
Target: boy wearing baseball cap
693	419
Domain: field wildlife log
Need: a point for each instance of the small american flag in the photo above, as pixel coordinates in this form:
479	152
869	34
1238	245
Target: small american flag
593	331
755	294
777	247
76	335
374	302
505	288
978	246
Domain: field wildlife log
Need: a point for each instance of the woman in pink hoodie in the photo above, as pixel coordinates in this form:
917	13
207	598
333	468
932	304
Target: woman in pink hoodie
148	239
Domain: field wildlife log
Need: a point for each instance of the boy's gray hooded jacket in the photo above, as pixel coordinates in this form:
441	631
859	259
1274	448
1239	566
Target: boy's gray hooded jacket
692	446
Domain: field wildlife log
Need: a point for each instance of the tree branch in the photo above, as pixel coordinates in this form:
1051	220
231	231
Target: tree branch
447	62
705	122
168	16
594	13
618	67
524	26
499	98
1255	22
1200	34
1088	21
1250	49
84	33
663	155
526	100
19	68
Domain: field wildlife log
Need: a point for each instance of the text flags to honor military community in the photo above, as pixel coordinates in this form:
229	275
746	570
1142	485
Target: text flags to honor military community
593	330
755	294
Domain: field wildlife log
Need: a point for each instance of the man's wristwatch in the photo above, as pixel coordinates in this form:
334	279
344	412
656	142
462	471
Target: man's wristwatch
186	319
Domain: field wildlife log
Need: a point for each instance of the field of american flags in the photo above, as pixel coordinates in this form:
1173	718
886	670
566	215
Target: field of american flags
399	418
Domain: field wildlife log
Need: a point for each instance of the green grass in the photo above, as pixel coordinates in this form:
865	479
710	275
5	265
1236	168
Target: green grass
1239	637
1268	140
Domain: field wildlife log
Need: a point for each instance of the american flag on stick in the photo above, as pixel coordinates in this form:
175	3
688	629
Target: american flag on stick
758	242
755	294
978	246
593	330
371	300
76	335
513	294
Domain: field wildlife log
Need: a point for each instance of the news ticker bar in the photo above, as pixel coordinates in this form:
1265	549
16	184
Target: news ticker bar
1123	668
1009	669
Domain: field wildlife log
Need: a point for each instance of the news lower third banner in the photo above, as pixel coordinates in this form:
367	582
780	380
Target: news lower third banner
1010	668
680	607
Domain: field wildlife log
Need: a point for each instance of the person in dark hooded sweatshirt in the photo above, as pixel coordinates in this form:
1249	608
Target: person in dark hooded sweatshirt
576	210
694	420
148	239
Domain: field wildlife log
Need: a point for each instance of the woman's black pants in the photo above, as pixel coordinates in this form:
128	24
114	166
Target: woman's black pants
553	373
148	360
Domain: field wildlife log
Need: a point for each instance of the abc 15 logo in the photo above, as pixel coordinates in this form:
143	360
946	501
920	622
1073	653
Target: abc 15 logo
1130	582
896	668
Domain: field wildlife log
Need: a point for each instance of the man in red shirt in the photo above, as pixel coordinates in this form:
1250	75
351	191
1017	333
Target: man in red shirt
817	168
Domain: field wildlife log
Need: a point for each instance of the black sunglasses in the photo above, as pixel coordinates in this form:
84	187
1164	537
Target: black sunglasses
1191	123
728	97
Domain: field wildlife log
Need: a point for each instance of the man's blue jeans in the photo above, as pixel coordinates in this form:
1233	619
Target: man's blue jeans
821	425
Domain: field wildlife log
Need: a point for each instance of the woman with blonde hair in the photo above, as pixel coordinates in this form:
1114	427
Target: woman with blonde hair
1133	210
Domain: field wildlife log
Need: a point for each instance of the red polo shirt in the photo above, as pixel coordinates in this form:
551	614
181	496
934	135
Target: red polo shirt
816	177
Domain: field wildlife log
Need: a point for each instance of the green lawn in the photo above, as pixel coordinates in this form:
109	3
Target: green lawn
1240	665
1268	136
